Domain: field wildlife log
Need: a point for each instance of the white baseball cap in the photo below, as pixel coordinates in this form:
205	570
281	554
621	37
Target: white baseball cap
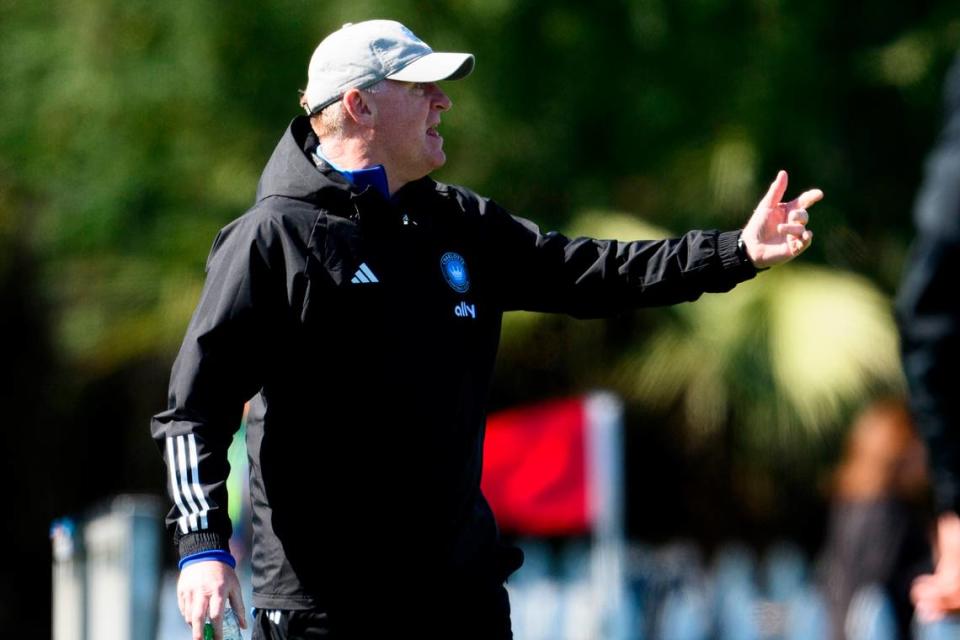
362	54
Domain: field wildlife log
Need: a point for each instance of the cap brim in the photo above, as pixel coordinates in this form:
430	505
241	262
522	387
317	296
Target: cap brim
436	66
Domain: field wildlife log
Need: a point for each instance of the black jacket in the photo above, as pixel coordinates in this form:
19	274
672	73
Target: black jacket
928	307
369	329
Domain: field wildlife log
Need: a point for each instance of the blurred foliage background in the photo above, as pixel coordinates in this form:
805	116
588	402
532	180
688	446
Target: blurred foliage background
131	131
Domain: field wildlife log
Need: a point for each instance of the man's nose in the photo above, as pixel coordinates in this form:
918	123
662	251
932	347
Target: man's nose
438	99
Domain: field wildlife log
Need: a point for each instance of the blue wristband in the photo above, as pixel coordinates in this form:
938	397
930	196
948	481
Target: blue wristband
214	554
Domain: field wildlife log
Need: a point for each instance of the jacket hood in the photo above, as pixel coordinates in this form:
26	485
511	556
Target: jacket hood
290	171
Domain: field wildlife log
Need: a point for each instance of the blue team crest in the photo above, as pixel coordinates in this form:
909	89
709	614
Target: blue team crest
454	269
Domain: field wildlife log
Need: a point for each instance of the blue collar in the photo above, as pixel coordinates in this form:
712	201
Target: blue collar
375	176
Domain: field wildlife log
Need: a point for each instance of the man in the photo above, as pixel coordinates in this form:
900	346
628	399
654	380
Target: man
928	308
361	301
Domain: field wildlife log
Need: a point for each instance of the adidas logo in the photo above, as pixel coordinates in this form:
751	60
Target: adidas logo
364	275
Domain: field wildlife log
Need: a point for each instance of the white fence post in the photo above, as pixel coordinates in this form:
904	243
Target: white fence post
107	572
68	578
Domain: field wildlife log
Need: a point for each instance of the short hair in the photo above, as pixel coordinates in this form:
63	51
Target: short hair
329	121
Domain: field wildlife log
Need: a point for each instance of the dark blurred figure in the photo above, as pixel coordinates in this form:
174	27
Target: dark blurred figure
928	310
31	445
877	532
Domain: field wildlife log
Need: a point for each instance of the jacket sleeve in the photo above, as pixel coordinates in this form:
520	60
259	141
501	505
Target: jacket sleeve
590	278
928	308
216	371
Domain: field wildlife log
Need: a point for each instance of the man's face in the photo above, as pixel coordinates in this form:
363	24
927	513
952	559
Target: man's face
405	135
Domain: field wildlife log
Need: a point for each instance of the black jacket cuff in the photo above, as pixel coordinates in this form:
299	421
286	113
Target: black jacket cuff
192	543
733	258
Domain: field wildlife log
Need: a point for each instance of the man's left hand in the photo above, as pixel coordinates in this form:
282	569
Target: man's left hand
777	232
938	594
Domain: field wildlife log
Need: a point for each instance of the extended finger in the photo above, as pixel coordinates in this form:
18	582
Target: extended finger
196	629
775	193
809	198
236	603
215	607
215	614
186	605
198	617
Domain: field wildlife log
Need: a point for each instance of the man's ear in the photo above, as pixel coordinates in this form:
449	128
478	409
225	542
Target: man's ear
359	107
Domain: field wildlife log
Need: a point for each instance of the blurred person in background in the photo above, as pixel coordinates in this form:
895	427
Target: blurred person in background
361	302
928	308
876	532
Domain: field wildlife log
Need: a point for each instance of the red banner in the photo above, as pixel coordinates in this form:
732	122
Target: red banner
535	473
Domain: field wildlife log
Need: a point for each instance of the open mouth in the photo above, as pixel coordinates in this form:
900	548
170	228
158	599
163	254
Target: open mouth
432	131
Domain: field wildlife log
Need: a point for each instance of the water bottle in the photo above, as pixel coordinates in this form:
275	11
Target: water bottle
231	627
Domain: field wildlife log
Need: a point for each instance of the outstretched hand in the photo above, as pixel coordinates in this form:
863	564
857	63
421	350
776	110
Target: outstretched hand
938	594
777	232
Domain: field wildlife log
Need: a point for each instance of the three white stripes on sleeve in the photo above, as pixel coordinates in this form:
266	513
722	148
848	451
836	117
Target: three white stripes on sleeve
185	482
182	460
